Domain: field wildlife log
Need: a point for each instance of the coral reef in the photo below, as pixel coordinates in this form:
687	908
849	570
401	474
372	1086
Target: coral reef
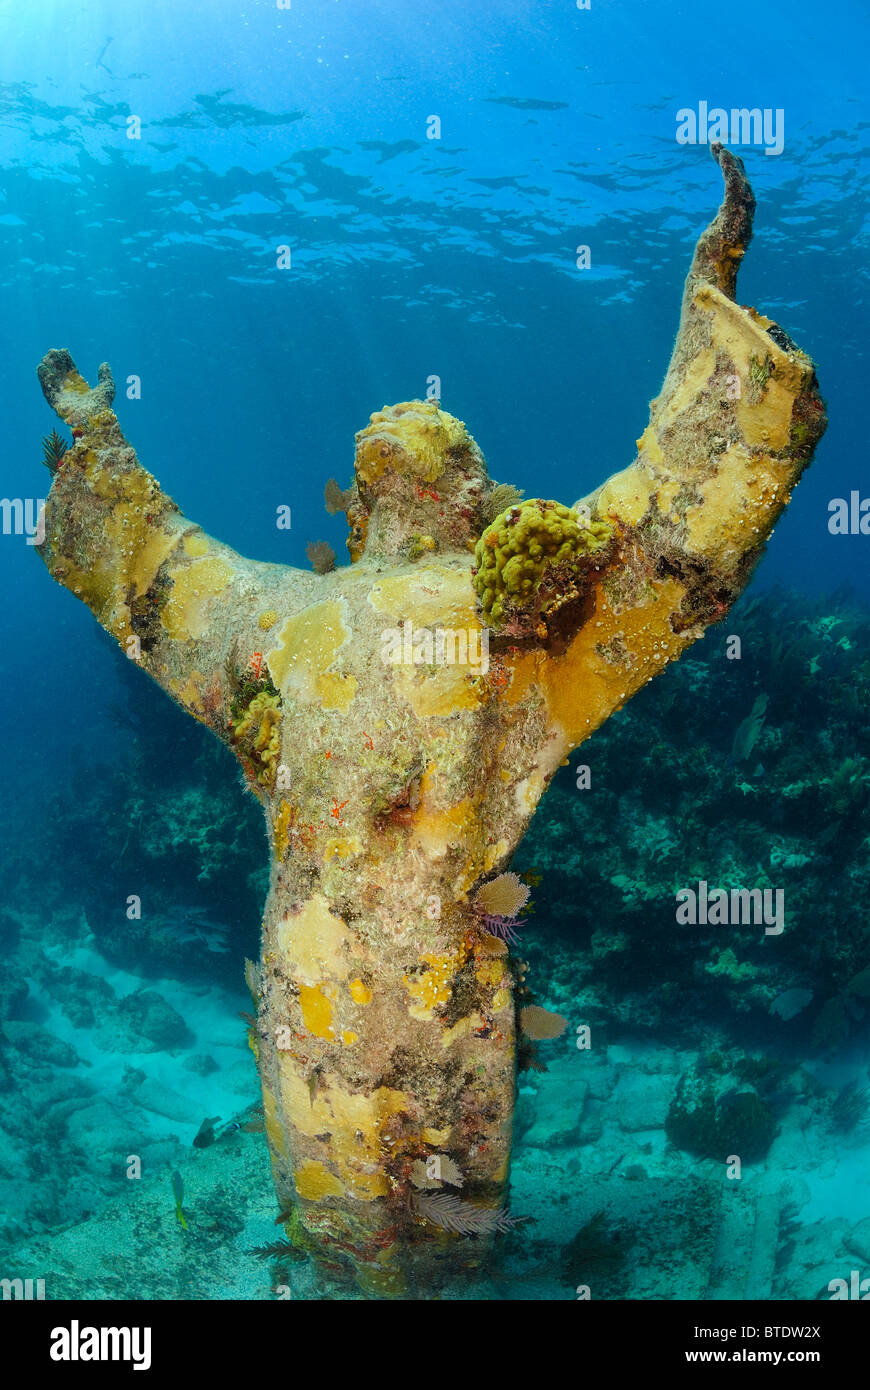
709	1117
386	1028
653	821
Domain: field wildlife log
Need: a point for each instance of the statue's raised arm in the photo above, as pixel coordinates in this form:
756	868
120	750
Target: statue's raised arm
186	608
603	594
735	425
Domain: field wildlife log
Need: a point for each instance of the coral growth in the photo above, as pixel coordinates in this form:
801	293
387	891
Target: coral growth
534	559
710	1117
321	555
53	450
499	903
257	732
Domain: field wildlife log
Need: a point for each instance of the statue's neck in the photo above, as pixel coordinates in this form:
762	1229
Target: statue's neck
406	528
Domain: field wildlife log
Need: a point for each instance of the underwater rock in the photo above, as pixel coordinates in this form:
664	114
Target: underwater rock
858	1240
79	993
600	1076
99	1127
558	1113
151	1094
202	1063
145	1022
714	1118
40	1044
816	1255
13	996
10	933
635	1172
642	1101
748	1238
131	1245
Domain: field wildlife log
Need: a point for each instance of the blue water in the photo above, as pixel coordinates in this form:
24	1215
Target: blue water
412	257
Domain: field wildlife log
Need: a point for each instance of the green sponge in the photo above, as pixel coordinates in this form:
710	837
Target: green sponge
517	554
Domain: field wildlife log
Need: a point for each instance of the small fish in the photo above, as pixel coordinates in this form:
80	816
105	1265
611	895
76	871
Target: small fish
211	1130
205	1135
791	1002
279	1249
178	1193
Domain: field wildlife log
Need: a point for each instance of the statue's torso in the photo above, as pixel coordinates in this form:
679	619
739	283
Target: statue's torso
398	752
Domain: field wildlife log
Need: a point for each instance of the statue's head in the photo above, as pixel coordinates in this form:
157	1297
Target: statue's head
416	441
420	478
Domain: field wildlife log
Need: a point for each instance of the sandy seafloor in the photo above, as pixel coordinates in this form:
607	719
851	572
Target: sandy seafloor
590	1139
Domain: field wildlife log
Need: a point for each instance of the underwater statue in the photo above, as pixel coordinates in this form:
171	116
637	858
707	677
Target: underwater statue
400	718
